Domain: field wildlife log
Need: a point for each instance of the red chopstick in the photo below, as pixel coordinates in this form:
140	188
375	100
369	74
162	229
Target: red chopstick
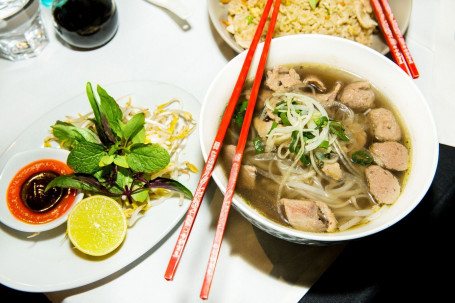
401	42
398	48
214	151
216	246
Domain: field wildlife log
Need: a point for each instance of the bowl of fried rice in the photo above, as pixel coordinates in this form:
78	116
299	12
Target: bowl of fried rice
236	20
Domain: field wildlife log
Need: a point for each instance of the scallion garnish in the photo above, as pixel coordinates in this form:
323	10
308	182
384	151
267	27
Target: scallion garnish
257	142
361	157
284	119
324	144
338	129
321	122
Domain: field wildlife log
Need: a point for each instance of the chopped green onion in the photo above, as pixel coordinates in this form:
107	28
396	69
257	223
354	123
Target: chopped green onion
338	129
324	144
249	19
258	145
240	113
308	135
361	157
305	160
274	125
284	118
321	122
295	136
243	106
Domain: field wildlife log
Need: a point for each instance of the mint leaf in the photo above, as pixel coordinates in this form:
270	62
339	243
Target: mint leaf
134	126
120	161
148	158
85	157
111	112
139	137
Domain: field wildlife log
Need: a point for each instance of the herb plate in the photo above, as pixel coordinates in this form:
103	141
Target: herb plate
48	261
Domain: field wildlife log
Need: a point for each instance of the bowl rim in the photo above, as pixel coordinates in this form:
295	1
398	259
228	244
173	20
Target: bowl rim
238	202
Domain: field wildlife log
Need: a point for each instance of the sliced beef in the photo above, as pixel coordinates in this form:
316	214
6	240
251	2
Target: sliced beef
383	125
262	127
328	98
314	82
280	79
247	173
358	95
383	185
308	215
391	155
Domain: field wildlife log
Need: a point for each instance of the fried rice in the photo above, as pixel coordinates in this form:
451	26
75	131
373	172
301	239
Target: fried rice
351	19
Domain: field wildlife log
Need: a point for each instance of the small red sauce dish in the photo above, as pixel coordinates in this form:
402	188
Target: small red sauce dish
25	205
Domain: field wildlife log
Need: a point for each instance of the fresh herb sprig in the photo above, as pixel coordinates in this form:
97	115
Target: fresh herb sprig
114	159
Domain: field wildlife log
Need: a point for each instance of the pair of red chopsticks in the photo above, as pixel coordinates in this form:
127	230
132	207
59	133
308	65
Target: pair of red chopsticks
398	48
216	147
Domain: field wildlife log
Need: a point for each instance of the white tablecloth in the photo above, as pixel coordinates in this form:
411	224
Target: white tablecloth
253	266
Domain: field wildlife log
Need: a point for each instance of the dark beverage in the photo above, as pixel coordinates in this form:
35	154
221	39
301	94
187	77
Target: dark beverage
85	23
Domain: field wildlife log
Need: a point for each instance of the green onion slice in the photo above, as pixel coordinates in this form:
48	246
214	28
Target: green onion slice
338	129
361	157
257	142
284	119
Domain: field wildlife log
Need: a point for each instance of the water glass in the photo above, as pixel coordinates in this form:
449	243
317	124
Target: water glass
22	32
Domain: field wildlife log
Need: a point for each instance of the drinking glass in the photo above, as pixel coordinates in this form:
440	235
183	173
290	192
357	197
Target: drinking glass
22	33
85	23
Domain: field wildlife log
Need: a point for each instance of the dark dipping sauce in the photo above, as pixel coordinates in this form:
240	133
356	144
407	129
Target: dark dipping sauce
35	197
85	23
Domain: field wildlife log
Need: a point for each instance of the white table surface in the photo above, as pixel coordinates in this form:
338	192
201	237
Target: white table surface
150	45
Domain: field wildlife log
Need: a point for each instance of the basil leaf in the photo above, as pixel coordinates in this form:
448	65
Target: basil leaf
94	105
148	158
85	157
134	126
170	184
111	111
78	181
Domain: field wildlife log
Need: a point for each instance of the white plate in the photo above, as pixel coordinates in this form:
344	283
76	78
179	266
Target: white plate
48	262
401	10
